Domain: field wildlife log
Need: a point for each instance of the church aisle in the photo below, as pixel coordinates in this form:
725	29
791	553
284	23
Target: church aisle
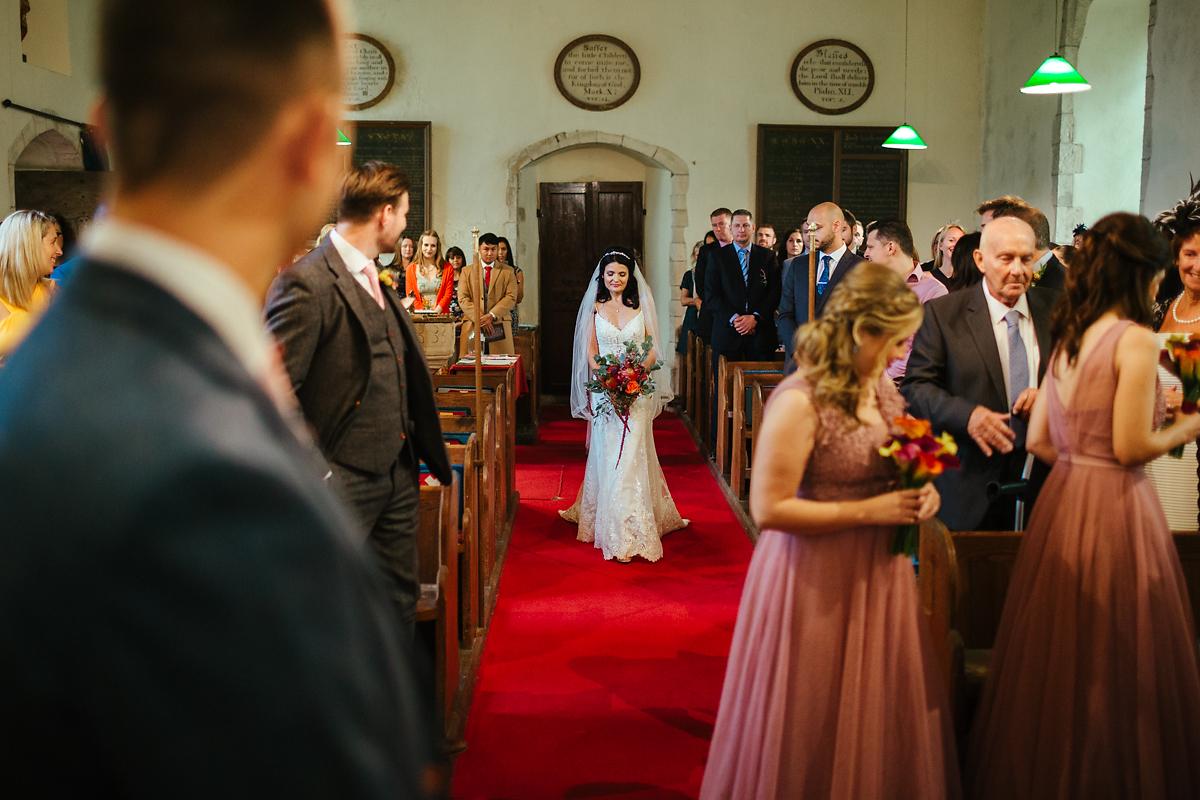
601	679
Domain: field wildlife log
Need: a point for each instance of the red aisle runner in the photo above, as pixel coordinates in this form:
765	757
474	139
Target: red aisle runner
601	679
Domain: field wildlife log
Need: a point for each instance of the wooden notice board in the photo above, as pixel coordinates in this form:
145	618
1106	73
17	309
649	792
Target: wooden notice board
405	144
802	165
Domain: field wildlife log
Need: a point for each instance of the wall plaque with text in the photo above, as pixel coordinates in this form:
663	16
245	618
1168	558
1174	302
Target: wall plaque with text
405	144
802	165
597	72
832	76
370	72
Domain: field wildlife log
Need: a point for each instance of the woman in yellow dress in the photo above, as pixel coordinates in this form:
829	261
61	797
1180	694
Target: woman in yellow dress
30	245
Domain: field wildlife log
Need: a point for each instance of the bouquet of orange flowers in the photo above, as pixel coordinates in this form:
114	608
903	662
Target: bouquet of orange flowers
1181	357
920	457
622	379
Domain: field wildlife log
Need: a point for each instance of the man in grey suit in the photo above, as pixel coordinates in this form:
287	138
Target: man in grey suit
185	611
975	365
356	364
834	261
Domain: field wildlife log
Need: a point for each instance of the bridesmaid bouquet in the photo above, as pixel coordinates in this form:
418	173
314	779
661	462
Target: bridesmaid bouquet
621	379
1181	357
920	457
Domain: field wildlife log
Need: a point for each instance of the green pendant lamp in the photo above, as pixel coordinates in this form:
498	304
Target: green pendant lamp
342	139
905	137
1056	75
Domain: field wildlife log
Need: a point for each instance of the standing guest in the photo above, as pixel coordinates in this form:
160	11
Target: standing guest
890	243
356	365
974	369
743	293
1048	271
941	266
457	260
764	236
30	246
408	251
1094	686
1077	234
793	246
200	620
962	262
834	262
429	280
853	234
832	688
690	301
504	255
998	206
722	229
1065	253
499	295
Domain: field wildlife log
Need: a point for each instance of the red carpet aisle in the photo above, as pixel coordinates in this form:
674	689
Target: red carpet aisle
601	679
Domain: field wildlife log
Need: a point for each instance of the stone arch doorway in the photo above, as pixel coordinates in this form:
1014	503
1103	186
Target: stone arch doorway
666	180
46	172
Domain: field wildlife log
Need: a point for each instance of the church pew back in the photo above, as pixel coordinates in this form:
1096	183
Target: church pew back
747	415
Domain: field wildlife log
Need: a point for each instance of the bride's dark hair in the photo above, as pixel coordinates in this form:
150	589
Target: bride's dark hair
630	296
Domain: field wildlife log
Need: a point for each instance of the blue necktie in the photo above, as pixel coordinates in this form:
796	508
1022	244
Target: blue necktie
744	258
1018	358
823	275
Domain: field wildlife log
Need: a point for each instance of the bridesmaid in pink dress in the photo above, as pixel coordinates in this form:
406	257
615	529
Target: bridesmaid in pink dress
831	690
1094	690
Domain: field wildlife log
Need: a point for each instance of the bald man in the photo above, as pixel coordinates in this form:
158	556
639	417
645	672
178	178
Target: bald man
834	260
975	365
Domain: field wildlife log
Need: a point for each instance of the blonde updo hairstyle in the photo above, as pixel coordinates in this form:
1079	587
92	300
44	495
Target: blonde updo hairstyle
871	300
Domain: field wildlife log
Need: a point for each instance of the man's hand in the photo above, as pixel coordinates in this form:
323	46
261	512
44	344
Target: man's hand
745	324
990	431
487	321
698	303
1024	403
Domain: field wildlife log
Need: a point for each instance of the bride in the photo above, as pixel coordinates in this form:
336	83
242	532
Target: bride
624	505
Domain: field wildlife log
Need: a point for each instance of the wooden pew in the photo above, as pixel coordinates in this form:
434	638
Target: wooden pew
473	528
749	385
695	348
504	385
725	405
705	400
527	340
437	567
938	586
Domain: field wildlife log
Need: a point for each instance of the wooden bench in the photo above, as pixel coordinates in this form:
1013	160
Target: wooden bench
437	569
725	404
503	384
527	341
462	403
750	385
474	527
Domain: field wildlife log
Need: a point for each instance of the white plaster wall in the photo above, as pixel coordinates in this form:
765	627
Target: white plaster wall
711	71
69	96
1174	118
1109	118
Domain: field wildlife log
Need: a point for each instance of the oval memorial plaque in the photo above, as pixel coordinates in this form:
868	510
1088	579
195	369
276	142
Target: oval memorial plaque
832	76
370	71
597	72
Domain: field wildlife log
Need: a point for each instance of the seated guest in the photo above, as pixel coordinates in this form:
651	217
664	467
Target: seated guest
962	262
429	280
974	369
496	300
1048	271
941	266
834	260
29	249
890	243
457	260
504	255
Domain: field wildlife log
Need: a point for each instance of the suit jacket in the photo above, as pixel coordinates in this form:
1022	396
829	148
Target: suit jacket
793	302
954	367
182	594
730	294
501	299
703	259
316	310
1054	276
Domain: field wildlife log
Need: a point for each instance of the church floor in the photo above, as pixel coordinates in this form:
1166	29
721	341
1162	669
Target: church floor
601	679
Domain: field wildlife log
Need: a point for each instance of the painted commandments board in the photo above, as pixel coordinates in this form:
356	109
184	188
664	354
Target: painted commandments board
832	76
597	72
370	72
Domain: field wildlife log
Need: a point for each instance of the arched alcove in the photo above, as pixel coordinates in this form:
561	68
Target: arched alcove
49	150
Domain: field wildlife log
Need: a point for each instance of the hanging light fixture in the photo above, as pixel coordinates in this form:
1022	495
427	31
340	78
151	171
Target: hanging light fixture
1056	75
342	139
905	137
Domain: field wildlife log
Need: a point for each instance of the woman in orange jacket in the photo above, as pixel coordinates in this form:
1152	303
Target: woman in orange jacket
428	279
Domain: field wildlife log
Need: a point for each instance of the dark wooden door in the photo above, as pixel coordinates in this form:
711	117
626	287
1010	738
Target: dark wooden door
576	223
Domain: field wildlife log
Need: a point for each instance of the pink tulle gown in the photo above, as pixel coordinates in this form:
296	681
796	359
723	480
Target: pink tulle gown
1094	689
831	689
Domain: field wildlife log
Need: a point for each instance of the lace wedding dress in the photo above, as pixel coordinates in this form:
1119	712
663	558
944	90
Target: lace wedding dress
625	508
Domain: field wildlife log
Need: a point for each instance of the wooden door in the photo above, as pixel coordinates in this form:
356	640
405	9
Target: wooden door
576	223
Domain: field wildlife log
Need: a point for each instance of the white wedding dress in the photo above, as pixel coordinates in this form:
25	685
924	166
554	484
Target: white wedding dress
624	508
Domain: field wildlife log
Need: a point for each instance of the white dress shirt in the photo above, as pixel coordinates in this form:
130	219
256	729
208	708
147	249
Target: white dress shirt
997	310
354	260
835	257
209	288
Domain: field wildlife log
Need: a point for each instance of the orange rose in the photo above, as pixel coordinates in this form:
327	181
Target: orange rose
632	387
